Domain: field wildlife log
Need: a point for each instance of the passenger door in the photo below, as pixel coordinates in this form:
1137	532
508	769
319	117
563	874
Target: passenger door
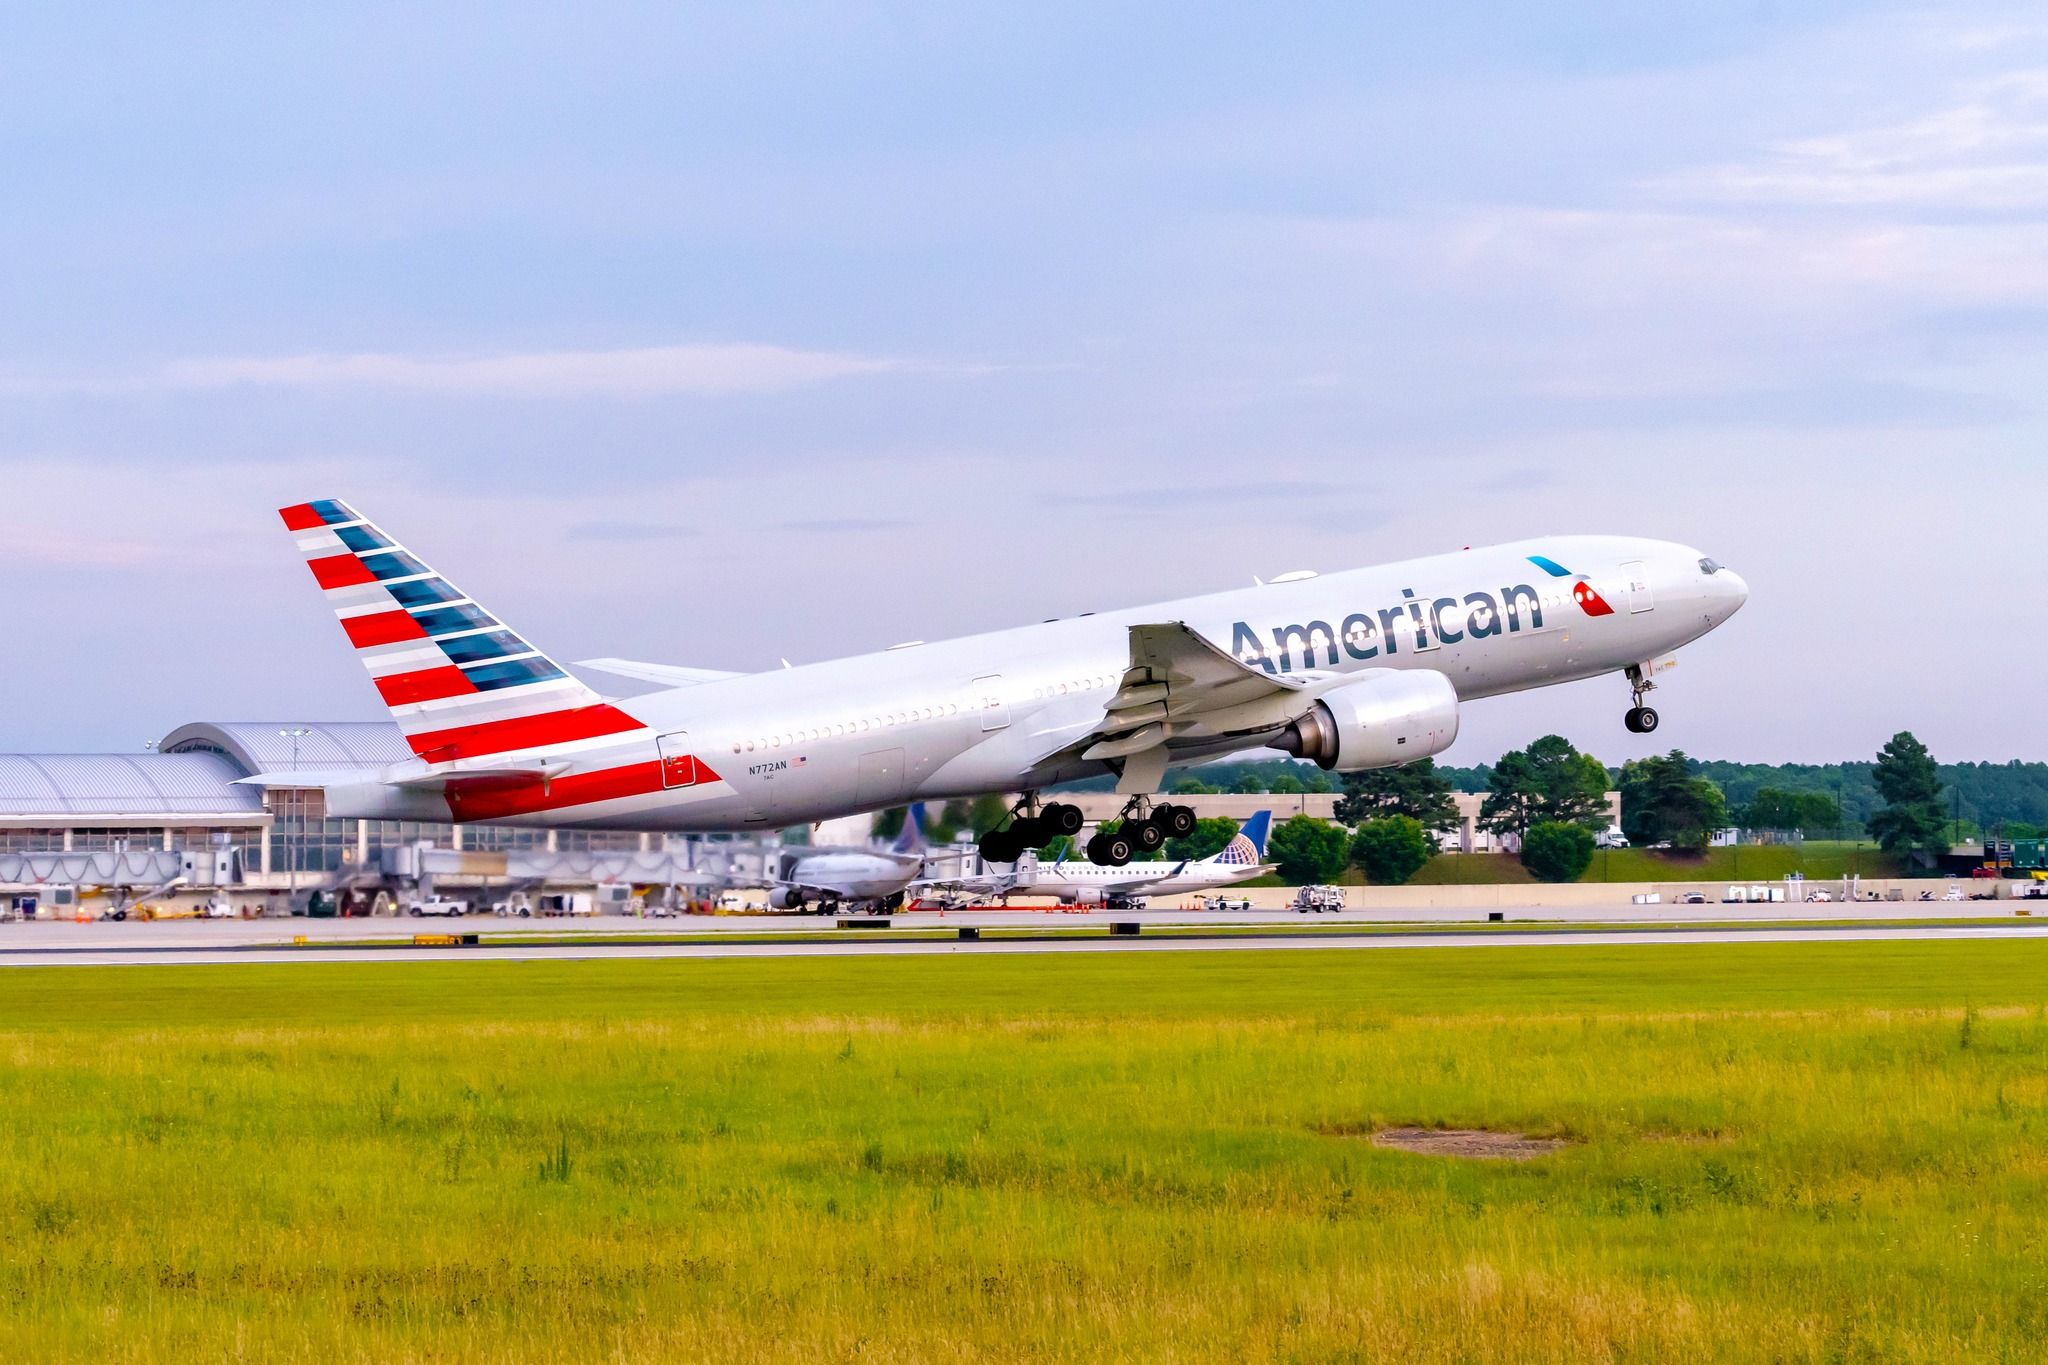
989	702
1638	580
678	764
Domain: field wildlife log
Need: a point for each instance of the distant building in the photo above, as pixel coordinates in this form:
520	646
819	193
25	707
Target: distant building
179	820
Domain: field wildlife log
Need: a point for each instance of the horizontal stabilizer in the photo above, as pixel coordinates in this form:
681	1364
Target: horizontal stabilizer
669	675
310	778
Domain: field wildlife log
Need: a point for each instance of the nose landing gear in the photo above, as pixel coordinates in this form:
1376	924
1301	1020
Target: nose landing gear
1640	720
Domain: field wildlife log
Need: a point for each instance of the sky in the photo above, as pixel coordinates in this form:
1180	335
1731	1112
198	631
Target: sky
716	335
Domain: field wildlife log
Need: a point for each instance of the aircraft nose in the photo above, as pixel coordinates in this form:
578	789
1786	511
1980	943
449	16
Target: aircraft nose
1734	589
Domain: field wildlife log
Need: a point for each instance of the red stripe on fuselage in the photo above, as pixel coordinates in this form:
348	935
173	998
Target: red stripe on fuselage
494	798
428	684
301	517
521	732
381	628
340	571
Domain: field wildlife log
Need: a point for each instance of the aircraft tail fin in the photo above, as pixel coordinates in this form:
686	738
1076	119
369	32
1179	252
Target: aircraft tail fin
911	839
459	682
1248	847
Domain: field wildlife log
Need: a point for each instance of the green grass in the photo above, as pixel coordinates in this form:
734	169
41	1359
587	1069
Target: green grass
1751	863
1792	1152
1820	861
1468	869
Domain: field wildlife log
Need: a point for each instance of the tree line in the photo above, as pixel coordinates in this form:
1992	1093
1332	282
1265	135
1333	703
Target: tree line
1550	798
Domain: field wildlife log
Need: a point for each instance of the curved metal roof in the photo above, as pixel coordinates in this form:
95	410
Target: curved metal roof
259	748
128	786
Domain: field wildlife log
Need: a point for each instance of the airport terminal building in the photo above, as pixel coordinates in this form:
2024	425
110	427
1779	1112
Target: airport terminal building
178	820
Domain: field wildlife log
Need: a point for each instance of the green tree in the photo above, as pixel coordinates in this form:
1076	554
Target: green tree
1286	784
1208	837
1807	812
1548	781
1415	790
1662	802
1194	786
983	814
889	823
1557	850
1910	824
1392	849
1307	850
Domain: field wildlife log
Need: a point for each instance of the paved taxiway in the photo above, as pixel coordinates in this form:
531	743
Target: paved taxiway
879	944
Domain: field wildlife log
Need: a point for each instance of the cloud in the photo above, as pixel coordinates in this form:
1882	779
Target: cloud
628	530
847	524
701	370
1983	148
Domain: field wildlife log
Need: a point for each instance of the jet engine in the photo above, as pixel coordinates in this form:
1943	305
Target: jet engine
1384	719
785	898
1082	895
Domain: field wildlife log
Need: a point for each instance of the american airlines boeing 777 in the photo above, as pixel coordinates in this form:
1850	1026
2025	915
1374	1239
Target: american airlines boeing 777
1355	670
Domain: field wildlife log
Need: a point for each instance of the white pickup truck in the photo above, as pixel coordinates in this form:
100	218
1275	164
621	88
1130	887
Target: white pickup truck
438	905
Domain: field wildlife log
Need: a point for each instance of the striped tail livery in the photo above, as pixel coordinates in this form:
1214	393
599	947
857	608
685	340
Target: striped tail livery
459	683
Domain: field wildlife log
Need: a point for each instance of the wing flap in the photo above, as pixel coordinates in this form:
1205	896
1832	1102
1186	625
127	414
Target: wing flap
1177	683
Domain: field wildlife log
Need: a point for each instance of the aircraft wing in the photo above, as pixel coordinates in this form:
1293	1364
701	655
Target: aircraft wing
1179	683
669	675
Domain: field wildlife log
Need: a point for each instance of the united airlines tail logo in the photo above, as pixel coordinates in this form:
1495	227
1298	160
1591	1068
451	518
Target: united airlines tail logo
1589	599
1238	853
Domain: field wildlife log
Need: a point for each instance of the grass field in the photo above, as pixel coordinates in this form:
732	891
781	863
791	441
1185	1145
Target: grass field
1818	860
1792	1152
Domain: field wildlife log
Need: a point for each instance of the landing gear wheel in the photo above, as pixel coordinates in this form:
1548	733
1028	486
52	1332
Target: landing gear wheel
1640	720
1026	832
1177	821
1116	850
1146	834
1062	818
1001	846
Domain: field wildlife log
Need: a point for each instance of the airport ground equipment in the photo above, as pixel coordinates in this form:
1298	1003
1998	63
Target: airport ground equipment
1315	900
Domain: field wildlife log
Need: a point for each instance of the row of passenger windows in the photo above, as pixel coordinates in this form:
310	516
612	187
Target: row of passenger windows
872	723
1061	689
851	727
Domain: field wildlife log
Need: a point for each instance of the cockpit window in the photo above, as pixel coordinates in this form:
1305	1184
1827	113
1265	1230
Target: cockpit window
1710	567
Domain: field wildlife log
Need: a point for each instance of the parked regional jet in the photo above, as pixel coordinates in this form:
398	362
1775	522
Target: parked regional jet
1355	670
1088	884
829	877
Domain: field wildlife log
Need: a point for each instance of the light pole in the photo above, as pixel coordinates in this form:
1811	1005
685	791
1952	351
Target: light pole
291	861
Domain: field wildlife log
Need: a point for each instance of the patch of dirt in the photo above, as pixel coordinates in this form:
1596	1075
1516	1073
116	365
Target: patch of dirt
1475	1143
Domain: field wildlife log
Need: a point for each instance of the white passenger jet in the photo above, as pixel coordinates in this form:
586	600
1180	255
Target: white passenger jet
830	877
1088	884
1355	670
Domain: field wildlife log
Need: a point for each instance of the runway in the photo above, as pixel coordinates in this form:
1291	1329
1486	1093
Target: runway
885	944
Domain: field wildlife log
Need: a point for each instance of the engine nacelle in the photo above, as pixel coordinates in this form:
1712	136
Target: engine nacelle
785	898
1082	895
1386	718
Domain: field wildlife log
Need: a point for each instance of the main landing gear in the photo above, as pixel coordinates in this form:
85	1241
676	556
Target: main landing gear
1030	826
1640	720
1141	828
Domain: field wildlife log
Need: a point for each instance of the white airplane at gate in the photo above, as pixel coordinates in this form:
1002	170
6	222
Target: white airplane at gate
1355	670
1073	883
